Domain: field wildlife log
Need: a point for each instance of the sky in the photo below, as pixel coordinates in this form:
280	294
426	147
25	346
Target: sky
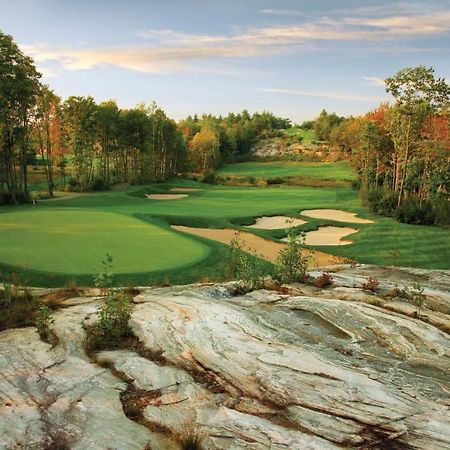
291	57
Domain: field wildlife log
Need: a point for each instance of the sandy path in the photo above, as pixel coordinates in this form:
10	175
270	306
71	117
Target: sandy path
329	236
276	222
186	189
165	196
267	249
334	214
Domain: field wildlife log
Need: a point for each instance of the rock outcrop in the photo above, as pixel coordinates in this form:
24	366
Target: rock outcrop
298	368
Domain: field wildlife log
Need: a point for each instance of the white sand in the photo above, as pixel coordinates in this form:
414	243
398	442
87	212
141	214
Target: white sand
276	222
334	214
186	189
328	236
266	249
165	196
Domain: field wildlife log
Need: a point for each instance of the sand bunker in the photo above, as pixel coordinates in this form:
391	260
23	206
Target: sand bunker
328	236
165	196
334	214
267	249
276	222
186	189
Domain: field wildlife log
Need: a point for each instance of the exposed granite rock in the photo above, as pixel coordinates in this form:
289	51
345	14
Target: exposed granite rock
304	368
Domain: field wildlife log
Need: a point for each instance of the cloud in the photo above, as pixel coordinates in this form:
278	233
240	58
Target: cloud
162	51
324	94
374	81
140	59
282	12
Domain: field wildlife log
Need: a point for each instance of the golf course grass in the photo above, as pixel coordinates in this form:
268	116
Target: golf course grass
307	135
66	238
340	171
75	242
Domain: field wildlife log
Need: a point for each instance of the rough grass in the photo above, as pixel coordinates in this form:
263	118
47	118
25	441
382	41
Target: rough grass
17	309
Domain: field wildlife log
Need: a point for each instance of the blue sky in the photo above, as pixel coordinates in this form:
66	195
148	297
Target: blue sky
290	57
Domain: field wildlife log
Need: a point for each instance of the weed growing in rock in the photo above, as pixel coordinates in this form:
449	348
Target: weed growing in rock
114	313
417	296
18	308
192	439
292	264
325	280
105	278
245	265
371	285
43	320
112	325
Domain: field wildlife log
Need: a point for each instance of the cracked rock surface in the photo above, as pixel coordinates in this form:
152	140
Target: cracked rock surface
306	368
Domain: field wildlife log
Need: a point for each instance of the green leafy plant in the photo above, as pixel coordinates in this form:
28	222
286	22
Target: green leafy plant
292	264
105	277
245	265
112	325
43	320
417	296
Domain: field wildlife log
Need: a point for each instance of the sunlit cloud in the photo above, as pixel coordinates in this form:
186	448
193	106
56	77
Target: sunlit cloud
374	81
163	51
282	12
325	94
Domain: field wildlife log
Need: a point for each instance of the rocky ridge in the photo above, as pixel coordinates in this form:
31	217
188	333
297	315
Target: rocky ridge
294	368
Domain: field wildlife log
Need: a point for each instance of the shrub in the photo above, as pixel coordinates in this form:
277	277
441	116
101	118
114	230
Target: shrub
417	297
381	201
245	266
441	208
43	320
99	184
276	180
411	210
326	279
292	265
209	177
112	325
371	284
18	308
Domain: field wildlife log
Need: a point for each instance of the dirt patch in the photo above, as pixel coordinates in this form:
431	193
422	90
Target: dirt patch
267	249
329	236
186	189
276	222
165	196
334	214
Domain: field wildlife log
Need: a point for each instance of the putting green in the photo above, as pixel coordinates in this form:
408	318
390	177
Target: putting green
76	241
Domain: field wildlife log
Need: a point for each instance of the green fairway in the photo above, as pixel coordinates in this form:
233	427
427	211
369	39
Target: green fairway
307	135
340	170
70	236
76	241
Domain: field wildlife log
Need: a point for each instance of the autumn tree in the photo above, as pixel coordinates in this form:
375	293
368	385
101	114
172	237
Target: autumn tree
205	150
418	95
19	86
79	115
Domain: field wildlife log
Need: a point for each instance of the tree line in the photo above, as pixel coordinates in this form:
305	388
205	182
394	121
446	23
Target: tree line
215	139
401	151
102	143
105	144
